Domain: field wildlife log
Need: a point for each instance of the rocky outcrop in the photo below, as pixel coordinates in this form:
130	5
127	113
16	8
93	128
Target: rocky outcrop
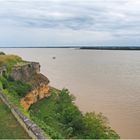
25	71
33	96
30	73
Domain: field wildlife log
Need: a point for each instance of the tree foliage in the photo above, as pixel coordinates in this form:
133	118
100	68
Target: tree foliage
61	115
97	127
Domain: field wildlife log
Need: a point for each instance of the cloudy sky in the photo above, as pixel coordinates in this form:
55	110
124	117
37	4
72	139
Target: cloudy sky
69	22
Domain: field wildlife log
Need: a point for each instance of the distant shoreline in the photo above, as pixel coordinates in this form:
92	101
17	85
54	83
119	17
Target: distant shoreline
86	47
109	48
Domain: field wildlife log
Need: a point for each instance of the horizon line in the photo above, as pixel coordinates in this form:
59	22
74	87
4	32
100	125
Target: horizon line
73	46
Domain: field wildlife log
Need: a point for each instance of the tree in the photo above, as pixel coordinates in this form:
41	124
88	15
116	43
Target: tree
97	127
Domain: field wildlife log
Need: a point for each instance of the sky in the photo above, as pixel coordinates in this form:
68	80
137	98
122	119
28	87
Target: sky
25	23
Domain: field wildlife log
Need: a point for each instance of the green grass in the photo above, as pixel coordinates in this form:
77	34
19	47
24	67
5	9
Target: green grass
14	91
45	109
4	59
10	60
9	127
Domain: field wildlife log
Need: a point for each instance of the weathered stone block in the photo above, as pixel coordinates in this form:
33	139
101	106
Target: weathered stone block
25	72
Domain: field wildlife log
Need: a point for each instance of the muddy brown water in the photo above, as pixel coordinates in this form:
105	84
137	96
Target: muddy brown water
106	81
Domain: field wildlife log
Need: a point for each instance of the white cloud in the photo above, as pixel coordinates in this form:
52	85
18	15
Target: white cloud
111	19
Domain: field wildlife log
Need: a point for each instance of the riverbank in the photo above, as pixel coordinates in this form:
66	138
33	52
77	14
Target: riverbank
110	48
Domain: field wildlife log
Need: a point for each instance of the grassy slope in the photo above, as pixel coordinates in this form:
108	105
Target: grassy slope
9	127
10	60
45	108
5	59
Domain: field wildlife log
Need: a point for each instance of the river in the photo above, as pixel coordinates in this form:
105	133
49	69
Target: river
106	81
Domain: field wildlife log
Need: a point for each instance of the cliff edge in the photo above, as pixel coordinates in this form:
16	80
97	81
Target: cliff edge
30	72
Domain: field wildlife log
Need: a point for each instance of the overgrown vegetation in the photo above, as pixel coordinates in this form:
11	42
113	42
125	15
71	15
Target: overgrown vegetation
60	118
9	60
15	90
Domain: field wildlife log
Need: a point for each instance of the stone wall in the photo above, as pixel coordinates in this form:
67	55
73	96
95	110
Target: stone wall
31	128
25	71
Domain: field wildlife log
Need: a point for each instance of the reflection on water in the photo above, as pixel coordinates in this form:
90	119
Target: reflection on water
102	81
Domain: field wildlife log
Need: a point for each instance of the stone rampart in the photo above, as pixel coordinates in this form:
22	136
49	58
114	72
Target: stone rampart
31	128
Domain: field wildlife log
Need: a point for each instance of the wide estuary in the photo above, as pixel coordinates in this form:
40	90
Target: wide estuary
106	81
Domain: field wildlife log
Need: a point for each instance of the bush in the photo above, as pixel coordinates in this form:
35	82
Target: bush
2	53
96	127
19	88
47	129
4	82
1	85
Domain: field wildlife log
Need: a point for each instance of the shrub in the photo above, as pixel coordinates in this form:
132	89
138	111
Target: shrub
96	127
15	87
2	53
50	131
20	87
4	82
1	85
